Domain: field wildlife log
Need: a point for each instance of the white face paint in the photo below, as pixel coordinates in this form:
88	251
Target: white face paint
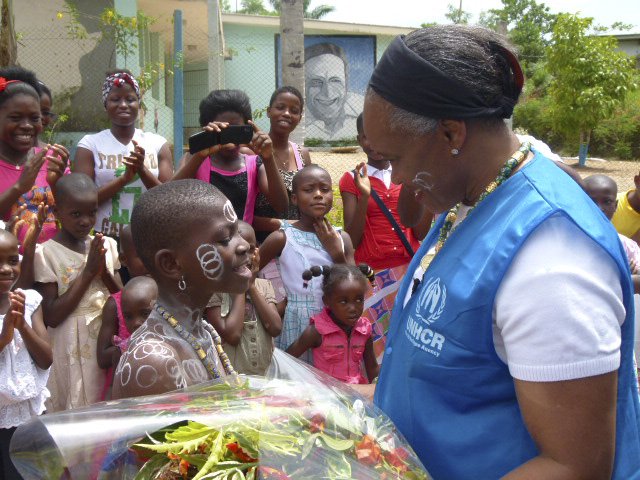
424	181
210	261
229	212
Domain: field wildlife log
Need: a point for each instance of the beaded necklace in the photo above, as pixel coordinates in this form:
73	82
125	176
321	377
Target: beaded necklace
448	226
202	355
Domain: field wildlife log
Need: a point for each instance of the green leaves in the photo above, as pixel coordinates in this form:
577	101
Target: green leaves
590	77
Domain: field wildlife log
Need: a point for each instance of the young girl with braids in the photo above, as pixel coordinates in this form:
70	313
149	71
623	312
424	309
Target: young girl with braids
311	240
339	335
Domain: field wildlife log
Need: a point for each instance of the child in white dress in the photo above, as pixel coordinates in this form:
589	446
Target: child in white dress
312	240
25	353
74	272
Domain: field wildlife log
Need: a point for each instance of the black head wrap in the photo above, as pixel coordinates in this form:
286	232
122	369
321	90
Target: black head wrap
410	82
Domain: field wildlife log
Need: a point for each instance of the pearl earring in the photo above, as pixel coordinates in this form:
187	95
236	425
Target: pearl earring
455	151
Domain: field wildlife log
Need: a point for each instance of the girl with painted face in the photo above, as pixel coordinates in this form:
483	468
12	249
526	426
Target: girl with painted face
190	256
239	176
339	335
25	352
123	160
74	273
27	174
284	113
311	240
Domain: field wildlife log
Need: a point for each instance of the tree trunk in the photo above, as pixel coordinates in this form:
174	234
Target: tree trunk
292	41
585	138
8	44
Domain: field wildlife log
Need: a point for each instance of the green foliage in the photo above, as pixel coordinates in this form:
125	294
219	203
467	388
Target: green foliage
254	7
123	31
590	77
321	142
317	13
619	135
527	23
457	15
225	6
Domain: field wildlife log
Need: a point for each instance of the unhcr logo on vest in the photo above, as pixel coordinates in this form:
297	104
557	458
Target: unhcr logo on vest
432	301
429	307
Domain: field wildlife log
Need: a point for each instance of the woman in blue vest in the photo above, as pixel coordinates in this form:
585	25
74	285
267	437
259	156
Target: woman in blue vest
510	350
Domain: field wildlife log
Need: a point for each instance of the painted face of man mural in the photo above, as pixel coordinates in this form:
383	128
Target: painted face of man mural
326	87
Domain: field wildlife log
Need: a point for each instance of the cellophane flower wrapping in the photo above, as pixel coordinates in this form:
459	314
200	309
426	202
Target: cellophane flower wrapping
295	423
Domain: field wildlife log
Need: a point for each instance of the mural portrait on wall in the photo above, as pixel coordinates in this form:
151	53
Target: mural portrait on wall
337	70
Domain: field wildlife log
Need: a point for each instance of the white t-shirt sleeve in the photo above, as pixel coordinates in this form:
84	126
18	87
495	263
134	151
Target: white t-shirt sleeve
558	311
88	142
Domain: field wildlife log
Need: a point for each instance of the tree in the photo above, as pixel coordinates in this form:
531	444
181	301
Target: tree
292	38
254	7
590	78
457	15
527	24
8	43
317	13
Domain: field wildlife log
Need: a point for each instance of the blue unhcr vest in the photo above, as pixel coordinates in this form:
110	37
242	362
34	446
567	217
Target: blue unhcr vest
442	382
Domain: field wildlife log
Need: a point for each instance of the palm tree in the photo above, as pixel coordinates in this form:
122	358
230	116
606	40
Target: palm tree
316	14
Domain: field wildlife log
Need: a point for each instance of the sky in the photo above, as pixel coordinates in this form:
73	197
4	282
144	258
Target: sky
411	13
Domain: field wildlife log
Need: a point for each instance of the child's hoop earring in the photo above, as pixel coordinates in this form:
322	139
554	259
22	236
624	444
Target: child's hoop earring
182	285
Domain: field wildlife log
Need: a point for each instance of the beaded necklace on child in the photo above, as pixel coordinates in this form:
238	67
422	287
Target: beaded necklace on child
197	347
450	220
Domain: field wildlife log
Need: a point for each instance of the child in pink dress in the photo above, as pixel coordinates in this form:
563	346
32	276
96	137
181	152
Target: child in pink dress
339	336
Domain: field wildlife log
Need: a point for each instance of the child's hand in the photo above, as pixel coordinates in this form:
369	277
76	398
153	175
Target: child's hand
261	143
361	179
15	314
57	163
16	222
115	356
30	172
255	264
329	238
96	259
211	151
35	227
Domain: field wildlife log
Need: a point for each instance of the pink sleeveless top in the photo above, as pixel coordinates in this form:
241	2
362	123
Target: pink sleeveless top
204	174
338	355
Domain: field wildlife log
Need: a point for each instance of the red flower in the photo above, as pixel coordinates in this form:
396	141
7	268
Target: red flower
4	82
368	451
317	423
240	453
397	458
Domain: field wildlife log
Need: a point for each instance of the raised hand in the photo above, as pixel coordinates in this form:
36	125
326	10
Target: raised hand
329	238
361	179
135	159
15	314
96	259
35	227
261	143
30	172
57	163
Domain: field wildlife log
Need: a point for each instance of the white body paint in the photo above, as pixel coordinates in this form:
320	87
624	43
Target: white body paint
229	212
210	261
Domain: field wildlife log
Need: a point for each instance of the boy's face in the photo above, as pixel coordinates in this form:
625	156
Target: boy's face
247	233
604	197
366	148
214	257
137	304
9	262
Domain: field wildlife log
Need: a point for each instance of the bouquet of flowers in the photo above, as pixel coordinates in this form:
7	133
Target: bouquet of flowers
258	428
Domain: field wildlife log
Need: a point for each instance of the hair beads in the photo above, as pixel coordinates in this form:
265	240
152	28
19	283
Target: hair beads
210	261
334	274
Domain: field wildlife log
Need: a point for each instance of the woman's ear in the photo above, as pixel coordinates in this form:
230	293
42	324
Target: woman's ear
167	265
294	199
455	132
